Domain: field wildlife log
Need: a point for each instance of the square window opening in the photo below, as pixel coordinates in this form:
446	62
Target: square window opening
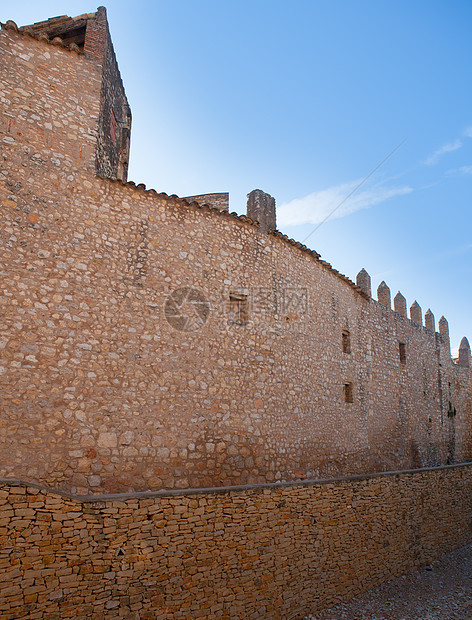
238	308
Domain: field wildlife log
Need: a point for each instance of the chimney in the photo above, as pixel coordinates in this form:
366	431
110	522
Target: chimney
261	208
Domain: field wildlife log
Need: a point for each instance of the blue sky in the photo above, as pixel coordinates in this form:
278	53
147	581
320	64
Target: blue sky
304	99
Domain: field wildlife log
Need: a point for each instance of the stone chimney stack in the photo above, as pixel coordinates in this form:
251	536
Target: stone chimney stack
261	208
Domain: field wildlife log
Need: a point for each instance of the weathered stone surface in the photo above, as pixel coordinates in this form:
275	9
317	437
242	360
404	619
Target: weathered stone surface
383	295
429	322
273	552
364	282
261	208
464	353
416	313
107	440
399	304
444	327
106	385
217	201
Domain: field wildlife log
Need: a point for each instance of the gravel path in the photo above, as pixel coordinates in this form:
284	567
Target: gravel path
440	591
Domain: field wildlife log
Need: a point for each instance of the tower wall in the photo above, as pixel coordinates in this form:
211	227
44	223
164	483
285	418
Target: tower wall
50	104
114	127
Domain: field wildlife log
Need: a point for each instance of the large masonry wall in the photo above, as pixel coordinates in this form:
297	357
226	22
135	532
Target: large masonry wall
274	552
103	388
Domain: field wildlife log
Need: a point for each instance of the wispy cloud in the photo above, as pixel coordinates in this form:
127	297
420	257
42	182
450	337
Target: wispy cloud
467	170
446	148
449	147
316	207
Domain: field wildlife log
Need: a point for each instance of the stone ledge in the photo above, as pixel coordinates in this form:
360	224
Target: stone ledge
113	497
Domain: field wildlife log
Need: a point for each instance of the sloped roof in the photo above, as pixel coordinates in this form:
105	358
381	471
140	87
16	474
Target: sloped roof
69	29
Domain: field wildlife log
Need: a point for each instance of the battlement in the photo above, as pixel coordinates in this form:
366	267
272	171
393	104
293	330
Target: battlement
416	315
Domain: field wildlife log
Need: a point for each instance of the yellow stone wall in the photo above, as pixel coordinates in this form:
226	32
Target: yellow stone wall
277	551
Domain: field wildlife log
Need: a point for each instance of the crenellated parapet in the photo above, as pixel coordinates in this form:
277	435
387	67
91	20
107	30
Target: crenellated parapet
464	353
383	295
363	282
443	326
429	321
399	304
416	314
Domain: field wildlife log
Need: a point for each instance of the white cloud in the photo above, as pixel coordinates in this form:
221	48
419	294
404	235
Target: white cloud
468	132
316	207
462	170
446	148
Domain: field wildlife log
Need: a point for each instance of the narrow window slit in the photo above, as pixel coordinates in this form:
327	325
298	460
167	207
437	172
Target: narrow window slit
402	352
348	392
346	340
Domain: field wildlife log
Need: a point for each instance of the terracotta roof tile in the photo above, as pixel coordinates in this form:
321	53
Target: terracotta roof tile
247	220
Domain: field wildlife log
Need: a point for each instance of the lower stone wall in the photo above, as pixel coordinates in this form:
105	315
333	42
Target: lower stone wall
274	551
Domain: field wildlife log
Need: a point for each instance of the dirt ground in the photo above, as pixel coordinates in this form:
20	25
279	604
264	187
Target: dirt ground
440	591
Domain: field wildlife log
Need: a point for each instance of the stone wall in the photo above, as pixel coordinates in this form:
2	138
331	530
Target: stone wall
278	551
50	102
150	343
114	127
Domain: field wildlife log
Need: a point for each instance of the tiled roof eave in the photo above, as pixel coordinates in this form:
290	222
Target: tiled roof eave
247	220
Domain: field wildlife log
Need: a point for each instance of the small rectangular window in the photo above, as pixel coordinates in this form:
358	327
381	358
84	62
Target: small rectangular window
348	392
238	308
346	337
402	352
